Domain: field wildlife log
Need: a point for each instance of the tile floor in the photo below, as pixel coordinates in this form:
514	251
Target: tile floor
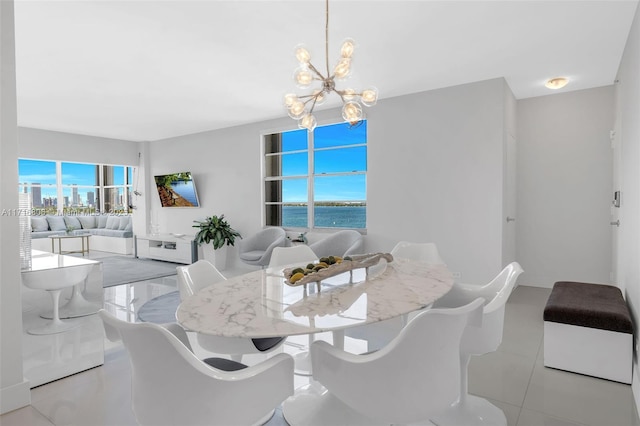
513	378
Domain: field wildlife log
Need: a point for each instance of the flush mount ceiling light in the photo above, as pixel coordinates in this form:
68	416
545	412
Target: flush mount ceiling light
306	76
556	83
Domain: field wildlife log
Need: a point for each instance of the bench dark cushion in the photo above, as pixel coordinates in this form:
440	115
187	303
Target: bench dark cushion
588	305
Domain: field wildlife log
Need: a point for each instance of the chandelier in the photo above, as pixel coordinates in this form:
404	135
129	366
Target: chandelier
307	75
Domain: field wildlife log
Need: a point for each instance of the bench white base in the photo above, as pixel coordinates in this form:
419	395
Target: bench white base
591	351
96	242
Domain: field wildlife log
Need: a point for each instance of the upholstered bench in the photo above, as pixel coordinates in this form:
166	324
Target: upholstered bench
588	330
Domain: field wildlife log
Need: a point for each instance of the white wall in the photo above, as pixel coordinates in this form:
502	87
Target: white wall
565	187
435	173
14	389
50	145
628	266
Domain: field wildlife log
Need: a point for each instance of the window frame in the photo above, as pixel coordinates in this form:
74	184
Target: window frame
311	202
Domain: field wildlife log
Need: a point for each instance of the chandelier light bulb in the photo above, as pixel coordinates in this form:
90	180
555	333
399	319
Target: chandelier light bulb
308	121
289	99
320	96
369	97
352	112
348	46
303	77
343	68
349	94
302	54
296	110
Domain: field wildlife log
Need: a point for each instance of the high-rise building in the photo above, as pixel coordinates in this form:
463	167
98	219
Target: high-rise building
66	201
90	198
74	195
36	194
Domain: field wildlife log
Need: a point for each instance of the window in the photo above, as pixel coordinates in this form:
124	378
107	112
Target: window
67	187
318	178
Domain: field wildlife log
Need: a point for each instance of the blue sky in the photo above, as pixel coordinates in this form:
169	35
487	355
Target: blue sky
326	188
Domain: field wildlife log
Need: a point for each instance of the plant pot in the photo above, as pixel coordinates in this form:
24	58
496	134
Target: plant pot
217	257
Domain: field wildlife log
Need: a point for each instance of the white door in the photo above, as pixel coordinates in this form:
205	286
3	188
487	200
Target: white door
616	196
509	209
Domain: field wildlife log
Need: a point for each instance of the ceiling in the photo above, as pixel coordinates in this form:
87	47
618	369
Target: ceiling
147	70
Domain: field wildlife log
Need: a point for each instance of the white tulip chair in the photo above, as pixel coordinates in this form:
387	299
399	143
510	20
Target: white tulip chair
415	375
171	386
469	409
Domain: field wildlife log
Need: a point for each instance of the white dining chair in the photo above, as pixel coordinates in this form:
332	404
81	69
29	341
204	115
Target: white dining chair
341	243
469	409
380	333
193	278
283	256
407	381
171	386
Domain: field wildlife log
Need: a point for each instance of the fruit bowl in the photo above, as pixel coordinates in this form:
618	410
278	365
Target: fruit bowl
329	267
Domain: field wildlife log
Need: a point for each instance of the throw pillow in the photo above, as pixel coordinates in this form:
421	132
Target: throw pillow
87	222
102	221
39	224
113	222
56	223
72	221
124	222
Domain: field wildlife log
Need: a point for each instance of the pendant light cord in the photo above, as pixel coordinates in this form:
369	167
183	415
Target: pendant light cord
326	36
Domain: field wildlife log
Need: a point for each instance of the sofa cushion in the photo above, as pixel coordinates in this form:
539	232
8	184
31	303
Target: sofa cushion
87	222
102	221
111	233
124	222
112	222
72	221
45	234
56	223
39	224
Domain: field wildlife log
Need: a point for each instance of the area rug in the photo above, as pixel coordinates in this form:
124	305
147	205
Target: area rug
161	309
117	270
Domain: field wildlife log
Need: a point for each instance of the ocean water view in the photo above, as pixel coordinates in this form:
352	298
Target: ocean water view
186	190
326	216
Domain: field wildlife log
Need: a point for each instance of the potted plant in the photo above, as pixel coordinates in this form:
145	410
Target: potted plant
215	231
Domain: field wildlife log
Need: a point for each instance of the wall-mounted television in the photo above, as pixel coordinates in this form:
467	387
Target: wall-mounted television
177	190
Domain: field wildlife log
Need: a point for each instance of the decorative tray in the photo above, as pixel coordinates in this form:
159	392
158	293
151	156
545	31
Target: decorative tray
331	266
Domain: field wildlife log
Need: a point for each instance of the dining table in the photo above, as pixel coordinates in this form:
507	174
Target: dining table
263	303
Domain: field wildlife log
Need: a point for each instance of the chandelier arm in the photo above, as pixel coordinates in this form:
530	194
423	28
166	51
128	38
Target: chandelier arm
326	36
314	69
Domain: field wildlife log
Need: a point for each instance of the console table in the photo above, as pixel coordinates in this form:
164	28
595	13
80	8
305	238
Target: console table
169	247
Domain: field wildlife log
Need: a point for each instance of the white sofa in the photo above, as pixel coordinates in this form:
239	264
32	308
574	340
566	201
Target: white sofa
110	233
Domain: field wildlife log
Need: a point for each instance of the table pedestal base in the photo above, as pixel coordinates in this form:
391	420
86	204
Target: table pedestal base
314	405
474	411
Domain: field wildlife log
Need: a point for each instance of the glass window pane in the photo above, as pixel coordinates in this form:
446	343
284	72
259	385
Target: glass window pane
286	165
79	174
294	215
340	134
289	190
294	140
341	160
118	175
113	200
129	175
340	216
37	172
340	188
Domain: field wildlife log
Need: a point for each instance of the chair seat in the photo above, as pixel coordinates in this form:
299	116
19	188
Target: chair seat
224	364
266	343
252	255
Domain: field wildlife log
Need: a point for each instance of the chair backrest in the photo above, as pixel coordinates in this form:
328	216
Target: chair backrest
289	255
263	239
426	252
485	339
171	386
341	243
193	278
418	372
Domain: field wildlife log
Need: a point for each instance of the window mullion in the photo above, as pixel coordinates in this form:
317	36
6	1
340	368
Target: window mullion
59	190
310	181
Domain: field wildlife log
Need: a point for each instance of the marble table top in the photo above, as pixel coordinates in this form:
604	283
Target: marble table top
261	304
41	260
